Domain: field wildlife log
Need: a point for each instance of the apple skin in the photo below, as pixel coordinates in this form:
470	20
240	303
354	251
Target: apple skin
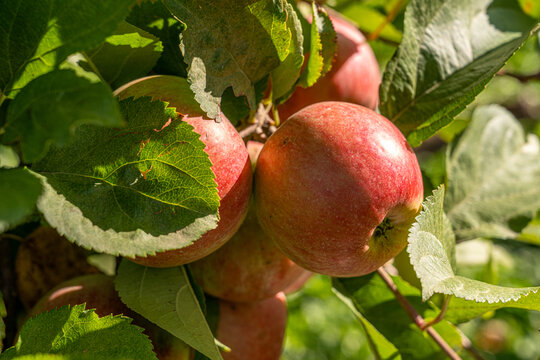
230	164
98	292
355	76
337	187
249	267
254	330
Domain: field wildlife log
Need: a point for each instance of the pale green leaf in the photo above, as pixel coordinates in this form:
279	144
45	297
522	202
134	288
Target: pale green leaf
450	50
8	157
230	43
74	331
138	190
49	109
284	77
166	297
126	55
379	307
36	37
19	191
322	47
493	175
429	240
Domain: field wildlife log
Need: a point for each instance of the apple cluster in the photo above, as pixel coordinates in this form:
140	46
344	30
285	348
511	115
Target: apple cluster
334	191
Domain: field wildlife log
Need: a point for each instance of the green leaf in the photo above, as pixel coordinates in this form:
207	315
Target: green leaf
49	109
431	251
381	347
284	77
127	55
8	157
531	233
154	17
76	331
230	43
378	305
450	50
53	357
368	19
35	37
323	45
145	188
493	175
19	191
166	297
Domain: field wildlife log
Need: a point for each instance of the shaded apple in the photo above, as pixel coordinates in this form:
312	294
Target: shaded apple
230	164
337	187
98	292
254	330
249	267
355	76
39	268
299	282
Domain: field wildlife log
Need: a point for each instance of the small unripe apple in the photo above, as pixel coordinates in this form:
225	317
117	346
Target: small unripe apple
337	187
354	77
98	292
253	330
249	267
230	164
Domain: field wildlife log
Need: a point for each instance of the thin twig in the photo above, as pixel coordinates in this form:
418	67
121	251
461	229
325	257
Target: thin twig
440	316
416	317
387	20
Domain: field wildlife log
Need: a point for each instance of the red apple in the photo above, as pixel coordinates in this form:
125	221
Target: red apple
249	267
254	330
230	164
98	292
354	77
337	187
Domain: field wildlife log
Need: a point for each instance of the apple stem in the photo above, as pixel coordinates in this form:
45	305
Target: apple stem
416	317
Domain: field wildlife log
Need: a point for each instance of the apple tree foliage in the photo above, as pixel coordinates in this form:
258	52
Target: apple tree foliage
93	167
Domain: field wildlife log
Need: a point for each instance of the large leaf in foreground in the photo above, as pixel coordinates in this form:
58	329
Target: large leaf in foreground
493	175
372	298
450	50
166	297
230	43
19	191
49	109
74	331
430	248
36	36
144	188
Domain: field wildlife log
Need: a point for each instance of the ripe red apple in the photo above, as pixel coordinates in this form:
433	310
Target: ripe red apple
354	77
337	187
98	292
230	164
249	267
253	330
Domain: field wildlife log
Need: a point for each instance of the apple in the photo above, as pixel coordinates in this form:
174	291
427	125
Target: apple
253	330
98	292
249	267
230	164
337	187
39	268
299	282
355	76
